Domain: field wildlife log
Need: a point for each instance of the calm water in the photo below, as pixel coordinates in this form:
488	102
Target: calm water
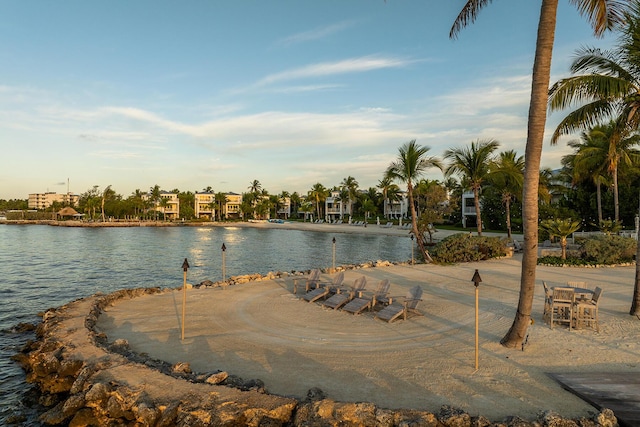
43	267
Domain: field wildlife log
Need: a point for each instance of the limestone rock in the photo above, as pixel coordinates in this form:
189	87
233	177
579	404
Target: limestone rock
217	378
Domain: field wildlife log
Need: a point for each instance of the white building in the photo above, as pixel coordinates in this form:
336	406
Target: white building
397	208
44	200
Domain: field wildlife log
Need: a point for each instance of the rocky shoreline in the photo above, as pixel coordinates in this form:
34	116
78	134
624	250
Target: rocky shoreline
84	379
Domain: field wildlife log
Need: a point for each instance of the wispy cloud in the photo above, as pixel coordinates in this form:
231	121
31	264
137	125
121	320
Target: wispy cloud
346	66
315	34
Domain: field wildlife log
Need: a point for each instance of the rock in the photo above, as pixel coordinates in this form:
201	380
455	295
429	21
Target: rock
216	378
181	368
453	417
120	346
97	395
315	394
72	405
146	414
606	418
86	417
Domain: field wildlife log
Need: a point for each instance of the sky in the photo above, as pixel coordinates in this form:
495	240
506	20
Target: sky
217	94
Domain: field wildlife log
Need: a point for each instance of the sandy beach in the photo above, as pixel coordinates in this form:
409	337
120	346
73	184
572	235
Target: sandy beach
263	330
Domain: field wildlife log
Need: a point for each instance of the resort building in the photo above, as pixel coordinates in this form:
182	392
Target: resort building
204	205
284	210
397	208
169	205
44	200
336	208
468	208
232	207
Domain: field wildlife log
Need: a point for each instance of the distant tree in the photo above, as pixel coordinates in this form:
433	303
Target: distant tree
412	161
506	175
471	164
106	194
560	228
318	194
221	199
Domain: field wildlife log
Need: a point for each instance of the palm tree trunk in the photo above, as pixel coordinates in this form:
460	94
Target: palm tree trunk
476	201
414	226
616	202
599	200
508	212
533	151
635	304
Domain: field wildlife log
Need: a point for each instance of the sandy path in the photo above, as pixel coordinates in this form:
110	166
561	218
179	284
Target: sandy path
261	330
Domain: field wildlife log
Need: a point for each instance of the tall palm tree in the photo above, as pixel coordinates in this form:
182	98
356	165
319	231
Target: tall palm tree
506	174
584	166
221	200
154	197
471	164
351	185
603	15
318	194
255	187
107	193
384	185
411	163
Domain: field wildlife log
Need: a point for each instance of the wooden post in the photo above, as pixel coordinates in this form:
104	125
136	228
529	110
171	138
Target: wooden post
185	267
476	282
333	264
224	248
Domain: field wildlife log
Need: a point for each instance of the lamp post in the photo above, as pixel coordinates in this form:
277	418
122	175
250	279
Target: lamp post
476	279
224	249
333	254
412	262
185	267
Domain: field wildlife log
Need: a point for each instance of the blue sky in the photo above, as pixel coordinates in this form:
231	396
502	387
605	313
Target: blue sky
210	93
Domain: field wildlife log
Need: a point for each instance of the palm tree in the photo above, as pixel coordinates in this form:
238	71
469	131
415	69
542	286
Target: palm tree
351	185
318	194
412	161
255	187
506	174
221	200
560	228
603	15
107	193
154	197
472	165
384	185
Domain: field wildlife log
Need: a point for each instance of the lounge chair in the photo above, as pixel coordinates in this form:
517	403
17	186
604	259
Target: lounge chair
323	290
312	281
341	298
410	305
359	303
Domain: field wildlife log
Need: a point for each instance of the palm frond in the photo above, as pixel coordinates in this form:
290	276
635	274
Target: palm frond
467	15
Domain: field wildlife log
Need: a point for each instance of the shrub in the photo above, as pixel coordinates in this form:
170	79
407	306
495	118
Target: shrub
465	248
609	249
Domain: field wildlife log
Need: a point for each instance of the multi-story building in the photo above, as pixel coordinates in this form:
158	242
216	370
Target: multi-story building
468	206
170	205
44	200
232	207
335	208
284	210
204	205
397	208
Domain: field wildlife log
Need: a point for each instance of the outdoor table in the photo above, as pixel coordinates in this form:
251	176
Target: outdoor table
582	293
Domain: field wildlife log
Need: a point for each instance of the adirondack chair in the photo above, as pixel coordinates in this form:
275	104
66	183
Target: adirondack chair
341	298
312	281
410	305
323	290
359	303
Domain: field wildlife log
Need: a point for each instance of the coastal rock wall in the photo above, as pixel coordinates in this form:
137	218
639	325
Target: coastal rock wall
85	380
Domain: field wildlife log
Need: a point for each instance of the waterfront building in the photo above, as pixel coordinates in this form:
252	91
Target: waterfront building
204	205
397	208
336	208
45	200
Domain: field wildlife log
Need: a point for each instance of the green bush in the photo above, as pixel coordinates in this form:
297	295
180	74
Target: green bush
557	261
465	248
609	249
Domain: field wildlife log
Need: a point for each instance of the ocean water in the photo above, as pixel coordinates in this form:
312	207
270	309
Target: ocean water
43	267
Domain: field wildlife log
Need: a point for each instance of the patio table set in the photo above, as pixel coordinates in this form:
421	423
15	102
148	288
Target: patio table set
573	304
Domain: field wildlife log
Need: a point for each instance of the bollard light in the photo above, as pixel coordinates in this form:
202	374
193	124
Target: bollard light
333	253
476	279
185	267
224	249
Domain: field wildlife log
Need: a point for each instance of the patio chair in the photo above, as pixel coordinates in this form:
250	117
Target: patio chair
324	290
341	298
587	311
410	305
562	303
312	281
359	303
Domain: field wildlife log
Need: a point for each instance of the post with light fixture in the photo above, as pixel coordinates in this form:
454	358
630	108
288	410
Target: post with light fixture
333	264
412	261
224	249
185	267
476	279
